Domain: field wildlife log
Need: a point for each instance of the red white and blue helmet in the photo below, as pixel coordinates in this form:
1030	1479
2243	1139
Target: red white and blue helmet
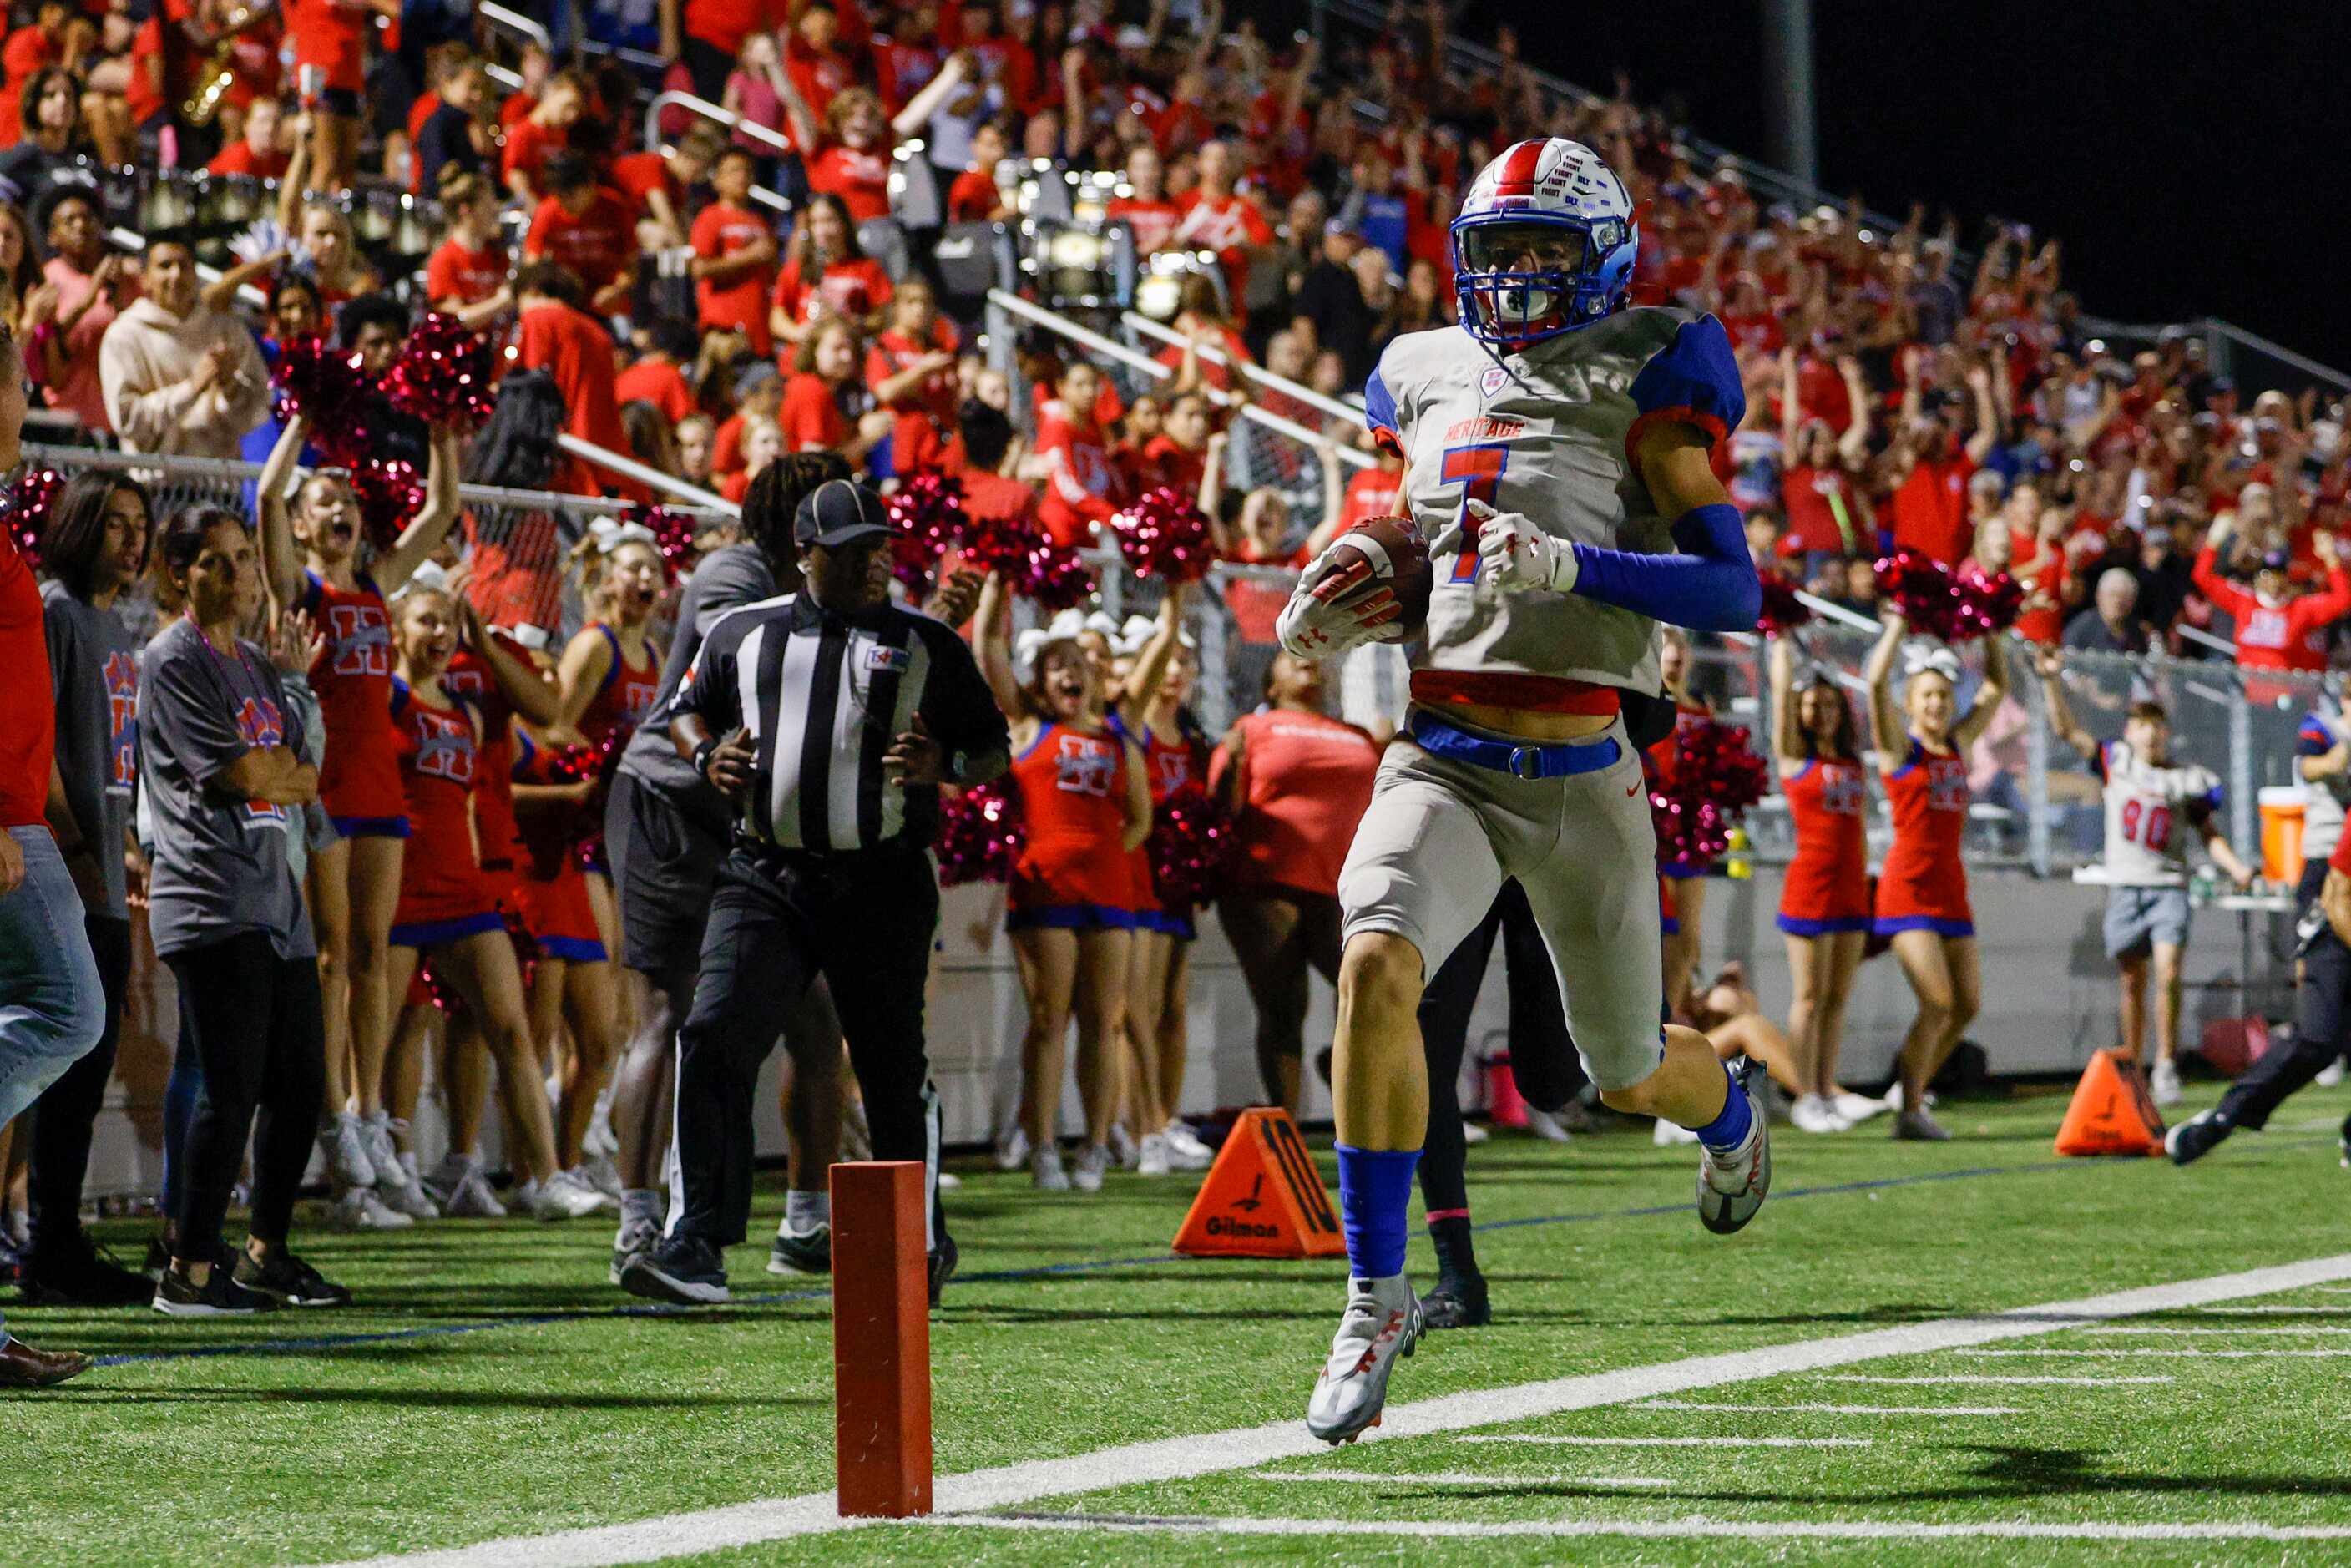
1544	244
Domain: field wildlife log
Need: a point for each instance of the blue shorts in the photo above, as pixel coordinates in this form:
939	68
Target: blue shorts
371	827
1165	921
440	933
572	949
1884	927
1843	923
1682	871
1072	917
1669	924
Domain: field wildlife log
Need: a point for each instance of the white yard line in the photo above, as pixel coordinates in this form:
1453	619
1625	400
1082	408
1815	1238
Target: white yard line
1247	1448
2222	1333
2311	1311
1652	1529
1837	1409
2143	1350
1957	1377
1672	1442
1388	1481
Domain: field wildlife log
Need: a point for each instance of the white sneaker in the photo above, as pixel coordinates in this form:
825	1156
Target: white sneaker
1813	1113
348	1155
1731	1187
409	1196
440	1182
2330	1075
1012	1150
950	1182
1122	1146
1546	1126
1094	1164
472	1198
1854	1109
1186	1151
856	1140
1151	1160
601	1172
1894	1097
361	1209
1670	1136
2165	1081
1045	1169
384	1150
600	1138
1474	1133
564	1196
1382	1323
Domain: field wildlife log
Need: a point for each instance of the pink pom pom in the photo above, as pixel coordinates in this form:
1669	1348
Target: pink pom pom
443	375
390	492
26	510
999	544
672	534
927	513
1055	577
1165	536
327	386
1921	587
1782	611
1714	777
1984	603
981	831
1190	842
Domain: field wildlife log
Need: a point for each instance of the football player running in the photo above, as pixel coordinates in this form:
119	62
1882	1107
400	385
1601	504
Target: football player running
1556	452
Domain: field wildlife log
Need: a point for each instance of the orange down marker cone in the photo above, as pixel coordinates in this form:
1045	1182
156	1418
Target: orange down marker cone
2112	1113
1263	1197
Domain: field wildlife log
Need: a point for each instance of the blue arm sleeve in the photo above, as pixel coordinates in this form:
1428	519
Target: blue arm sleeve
1709	585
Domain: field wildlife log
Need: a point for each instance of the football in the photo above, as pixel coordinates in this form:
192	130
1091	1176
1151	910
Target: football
1399	561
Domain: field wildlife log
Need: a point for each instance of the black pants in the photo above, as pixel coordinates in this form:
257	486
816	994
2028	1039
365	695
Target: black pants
862	920
260	1040
1543	1056
2322	1010
67	1111
709	66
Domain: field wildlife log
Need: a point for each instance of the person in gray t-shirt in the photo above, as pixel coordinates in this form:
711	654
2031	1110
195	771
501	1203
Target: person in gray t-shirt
225	790
94	547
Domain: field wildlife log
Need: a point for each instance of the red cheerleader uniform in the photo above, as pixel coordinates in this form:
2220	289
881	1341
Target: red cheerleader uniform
1669	918
1307	781
1169	767
359	781
1688	716
469	680
1923	886
551	896
1827	886
444	897
1072	875
623	701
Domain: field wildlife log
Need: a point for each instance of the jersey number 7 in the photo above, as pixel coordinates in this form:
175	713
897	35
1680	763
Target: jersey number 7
1479	471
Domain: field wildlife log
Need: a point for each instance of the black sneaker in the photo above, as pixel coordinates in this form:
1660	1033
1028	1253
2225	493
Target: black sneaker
69	1270
289	1282
942	1266
2196	1137
684	1269
797	1254
220	1296
1458	1301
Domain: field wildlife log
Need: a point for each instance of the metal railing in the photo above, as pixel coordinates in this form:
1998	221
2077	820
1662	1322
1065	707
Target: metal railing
719	115
515	22
1258	375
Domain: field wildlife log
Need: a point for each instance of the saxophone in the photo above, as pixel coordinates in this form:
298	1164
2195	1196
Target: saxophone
218	73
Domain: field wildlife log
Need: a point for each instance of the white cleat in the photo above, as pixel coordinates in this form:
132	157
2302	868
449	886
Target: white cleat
1731	1187
2165	1082
1382	1323
1186	1151
1546	1126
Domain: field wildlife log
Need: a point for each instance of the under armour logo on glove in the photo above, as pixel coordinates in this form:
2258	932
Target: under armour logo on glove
1515	554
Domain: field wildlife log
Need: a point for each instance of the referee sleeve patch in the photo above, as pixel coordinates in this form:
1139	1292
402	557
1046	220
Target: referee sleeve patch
1380	415
1692	380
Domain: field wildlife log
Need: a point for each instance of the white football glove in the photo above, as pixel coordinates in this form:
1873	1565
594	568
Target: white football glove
1514	554
1336	606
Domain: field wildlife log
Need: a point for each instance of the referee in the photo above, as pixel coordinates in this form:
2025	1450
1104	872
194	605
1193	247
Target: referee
829	719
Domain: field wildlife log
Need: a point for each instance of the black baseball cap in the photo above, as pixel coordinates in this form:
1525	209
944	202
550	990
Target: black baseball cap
836	512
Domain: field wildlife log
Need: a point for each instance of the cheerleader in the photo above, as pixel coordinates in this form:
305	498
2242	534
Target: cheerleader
1922	889
448	909
1824	900
1071	903
311	553
1296	782
1152	686
1683	890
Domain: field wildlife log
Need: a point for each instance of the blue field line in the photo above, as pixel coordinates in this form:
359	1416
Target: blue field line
1041	1271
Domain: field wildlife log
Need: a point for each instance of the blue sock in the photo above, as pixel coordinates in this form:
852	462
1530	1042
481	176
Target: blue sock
1374	1193
1727	1131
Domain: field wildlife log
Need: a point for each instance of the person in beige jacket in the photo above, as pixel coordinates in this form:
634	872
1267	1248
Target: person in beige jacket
178	376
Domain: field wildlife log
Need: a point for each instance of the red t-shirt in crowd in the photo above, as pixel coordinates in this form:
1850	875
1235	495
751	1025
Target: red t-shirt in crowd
817	76
854	288
1165	463
529	147
926	413
640	174
1930	509
1824	510
600	244
861	180
1229	227
655	381
809	419
902	70
1080	480
574	347
27	50
725	24
740	303
1370	493
1154	222
972	196
990	497
332	34
239	158
468	276
161	34
29	740
726	445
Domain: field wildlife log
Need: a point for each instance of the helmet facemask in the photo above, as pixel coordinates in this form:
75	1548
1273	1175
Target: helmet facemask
1521	279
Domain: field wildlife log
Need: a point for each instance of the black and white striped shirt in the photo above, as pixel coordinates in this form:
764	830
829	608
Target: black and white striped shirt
823	696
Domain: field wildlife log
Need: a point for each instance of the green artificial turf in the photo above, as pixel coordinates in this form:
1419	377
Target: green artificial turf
557	1405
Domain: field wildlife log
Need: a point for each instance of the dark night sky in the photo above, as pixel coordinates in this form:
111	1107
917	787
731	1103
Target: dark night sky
2191	157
